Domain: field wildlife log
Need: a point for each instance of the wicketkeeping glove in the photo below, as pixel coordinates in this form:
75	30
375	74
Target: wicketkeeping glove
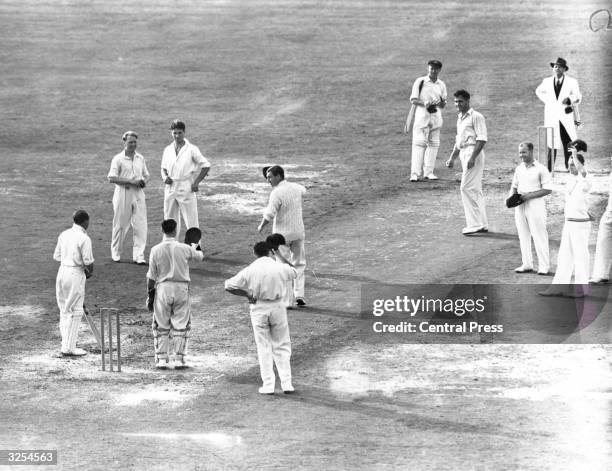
514	200
150	299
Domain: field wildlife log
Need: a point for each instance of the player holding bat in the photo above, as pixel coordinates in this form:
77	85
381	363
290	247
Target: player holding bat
168	296
427	98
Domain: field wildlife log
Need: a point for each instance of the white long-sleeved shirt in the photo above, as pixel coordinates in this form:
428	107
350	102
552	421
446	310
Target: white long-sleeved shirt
285	208
73	248
184	166
169	261
265	279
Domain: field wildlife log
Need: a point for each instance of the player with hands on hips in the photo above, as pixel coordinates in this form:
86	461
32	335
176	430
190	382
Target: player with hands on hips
183	168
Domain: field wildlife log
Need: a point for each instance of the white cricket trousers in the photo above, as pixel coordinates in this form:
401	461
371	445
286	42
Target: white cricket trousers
298	260
530	219
179	200
70	294
425	145
471	190
271	330
573	257
130	210
171	315
603	257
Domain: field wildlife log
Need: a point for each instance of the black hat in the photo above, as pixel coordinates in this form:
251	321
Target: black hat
560	61
435	63
265	171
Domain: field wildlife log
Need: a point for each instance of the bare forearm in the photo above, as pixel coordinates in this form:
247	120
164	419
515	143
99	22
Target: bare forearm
122	181
536	194
201	176
478	149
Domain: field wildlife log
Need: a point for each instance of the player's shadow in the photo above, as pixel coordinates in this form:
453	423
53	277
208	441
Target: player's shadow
495	235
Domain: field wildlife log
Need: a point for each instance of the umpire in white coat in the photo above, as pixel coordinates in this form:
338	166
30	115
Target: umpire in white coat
559	93
130	175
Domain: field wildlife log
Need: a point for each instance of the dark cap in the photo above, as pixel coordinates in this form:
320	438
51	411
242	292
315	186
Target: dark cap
560	61
265	171
435	63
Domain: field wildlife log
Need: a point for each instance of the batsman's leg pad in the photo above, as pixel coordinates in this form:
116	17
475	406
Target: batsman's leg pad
161	342
72	329
180	341
64	327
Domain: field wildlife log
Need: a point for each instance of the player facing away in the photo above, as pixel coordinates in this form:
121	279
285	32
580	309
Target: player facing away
73	251
264	283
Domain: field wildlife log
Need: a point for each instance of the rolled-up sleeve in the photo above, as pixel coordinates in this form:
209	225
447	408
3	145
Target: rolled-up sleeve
152	272
480	127
199	159
57	254
273	206
545	179
515	180
238	281
87	252
145	171
415	89
196	254
114	168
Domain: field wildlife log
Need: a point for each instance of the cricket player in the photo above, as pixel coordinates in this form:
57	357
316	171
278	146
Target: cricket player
129	174
74	252
532	181
264	283
285	209
469	146
573	257
183	167
168	296
560	95
427	98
